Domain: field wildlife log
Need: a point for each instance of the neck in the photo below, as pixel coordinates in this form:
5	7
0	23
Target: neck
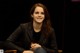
37	26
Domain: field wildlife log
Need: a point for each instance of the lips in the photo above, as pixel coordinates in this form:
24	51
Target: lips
39	18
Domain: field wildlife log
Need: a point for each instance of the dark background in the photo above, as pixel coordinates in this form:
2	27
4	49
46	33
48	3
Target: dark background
14	12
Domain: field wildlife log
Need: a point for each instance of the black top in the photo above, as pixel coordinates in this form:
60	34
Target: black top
36	36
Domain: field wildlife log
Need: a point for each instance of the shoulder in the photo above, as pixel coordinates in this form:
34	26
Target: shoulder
25	24
52	29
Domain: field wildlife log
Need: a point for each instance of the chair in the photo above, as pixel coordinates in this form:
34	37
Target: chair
10	51
60	51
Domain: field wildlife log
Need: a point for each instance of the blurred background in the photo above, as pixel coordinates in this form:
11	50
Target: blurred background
14	12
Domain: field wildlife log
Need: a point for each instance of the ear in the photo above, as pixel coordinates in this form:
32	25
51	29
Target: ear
31	15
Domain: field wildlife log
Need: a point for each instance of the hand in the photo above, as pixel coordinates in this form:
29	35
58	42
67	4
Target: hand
34	46
27	51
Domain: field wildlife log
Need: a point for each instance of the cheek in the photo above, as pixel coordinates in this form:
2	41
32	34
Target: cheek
34	16
43	17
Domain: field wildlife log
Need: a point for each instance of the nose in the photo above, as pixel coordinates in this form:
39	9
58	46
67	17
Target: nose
39	15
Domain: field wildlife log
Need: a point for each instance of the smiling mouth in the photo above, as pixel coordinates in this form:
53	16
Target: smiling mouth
39	18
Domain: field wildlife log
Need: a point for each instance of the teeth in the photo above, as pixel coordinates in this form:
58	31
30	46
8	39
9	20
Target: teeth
39	18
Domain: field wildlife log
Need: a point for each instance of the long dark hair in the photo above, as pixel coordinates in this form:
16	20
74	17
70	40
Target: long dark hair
46	27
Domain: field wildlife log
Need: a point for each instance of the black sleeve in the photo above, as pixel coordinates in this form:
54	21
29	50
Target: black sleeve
51	45
9	42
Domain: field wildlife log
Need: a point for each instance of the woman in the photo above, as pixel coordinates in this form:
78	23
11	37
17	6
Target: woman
36	36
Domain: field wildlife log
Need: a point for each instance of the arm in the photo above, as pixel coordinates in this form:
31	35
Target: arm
51	45
9	42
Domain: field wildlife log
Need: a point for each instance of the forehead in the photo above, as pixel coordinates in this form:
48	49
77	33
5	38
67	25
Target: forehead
39	9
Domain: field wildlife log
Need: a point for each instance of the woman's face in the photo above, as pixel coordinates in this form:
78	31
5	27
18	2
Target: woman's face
38	15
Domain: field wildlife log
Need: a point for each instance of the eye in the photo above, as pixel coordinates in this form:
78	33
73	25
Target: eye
36	12
42	13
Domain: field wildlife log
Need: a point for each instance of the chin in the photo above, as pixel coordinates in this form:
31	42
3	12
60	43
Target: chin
39	22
